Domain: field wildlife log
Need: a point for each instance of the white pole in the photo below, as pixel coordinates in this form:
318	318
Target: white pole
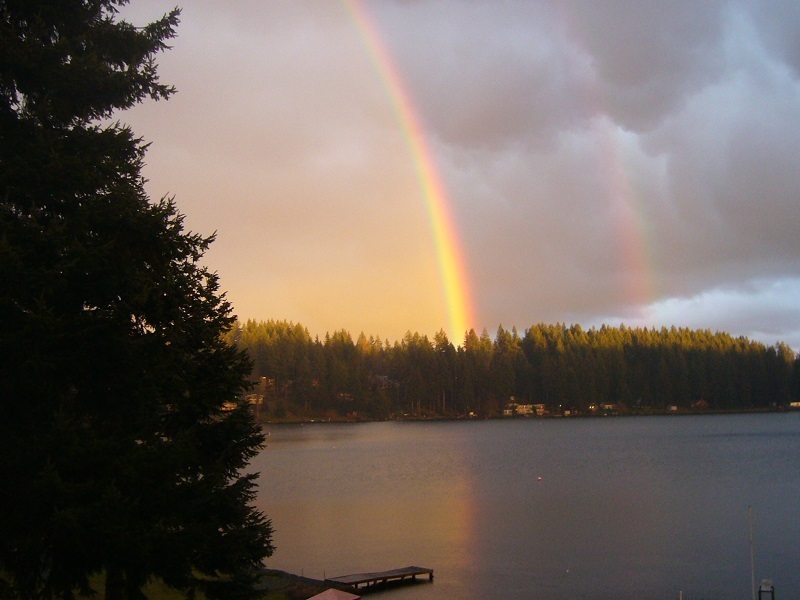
752	554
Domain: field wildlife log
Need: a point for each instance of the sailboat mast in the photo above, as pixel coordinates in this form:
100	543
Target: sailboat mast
752	554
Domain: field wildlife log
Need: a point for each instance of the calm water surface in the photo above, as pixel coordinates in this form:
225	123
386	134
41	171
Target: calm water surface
639	507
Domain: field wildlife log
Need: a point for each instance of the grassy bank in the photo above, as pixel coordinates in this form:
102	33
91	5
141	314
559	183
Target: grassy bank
274	585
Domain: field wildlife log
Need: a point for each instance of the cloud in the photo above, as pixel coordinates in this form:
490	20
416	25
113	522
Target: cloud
649	56
487	75
777	25
706	174
760	309
621	159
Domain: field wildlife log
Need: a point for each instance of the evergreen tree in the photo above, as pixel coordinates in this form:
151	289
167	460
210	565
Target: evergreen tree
121	443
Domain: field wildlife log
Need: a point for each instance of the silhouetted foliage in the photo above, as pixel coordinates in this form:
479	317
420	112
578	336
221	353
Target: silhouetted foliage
119	452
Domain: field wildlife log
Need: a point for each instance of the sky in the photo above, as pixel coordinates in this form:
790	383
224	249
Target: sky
387	166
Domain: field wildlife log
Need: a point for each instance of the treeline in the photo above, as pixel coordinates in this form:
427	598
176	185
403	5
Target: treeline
565	368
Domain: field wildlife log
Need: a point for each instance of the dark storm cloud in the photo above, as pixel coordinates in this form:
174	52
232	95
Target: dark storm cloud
695	105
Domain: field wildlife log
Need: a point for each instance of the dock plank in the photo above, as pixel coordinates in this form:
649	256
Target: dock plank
380	577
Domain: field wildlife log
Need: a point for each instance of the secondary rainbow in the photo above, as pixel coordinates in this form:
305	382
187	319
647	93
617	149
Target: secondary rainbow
624	197
448	250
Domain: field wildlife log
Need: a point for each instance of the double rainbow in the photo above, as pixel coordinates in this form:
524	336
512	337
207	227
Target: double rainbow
448	250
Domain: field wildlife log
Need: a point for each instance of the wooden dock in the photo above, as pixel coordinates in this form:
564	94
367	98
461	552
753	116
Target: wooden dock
406	574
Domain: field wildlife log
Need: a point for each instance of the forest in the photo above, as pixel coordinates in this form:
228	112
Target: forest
562	369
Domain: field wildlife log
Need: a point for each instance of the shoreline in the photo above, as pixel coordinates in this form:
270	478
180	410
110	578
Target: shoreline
298	420
276	584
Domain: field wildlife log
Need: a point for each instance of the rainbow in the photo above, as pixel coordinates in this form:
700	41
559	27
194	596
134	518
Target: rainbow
455	282
625	199
625	204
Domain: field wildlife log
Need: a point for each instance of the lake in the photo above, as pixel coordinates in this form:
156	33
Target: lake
593	508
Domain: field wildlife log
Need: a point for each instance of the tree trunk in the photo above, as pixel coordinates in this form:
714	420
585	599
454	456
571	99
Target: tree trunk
115	584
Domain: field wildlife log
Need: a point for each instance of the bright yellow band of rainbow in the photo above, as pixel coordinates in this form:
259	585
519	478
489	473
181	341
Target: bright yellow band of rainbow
451	263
